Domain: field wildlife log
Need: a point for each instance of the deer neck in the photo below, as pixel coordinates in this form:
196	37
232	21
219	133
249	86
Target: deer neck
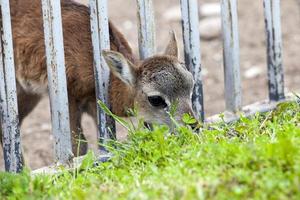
121	97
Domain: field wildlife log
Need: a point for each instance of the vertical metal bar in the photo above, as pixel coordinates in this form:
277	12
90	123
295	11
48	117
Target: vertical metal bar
8	96
146	26
233	91
274	49
100	40
57	83
192	51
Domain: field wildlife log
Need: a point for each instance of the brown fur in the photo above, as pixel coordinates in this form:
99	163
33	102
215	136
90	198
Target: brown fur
130	84
30	61
30	52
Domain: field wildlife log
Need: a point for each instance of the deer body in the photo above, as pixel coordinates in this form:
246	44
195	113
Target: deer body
153	85
30	60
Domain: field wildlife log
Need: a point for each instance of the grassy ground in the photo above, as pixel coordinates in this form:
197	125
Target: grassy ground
257	158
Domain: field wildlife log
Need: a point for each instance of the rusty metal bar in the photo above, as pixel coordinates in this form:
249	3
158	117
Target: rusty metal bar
146	27
8	96
274	49
233	91
100	40
192	52
57	83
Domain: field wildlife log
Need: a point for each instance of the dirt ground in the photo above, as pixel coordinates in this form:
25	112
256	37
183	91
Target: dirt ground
37	140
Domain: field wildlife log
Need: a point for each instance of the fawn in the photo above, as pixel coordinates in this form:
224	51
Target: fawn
152	85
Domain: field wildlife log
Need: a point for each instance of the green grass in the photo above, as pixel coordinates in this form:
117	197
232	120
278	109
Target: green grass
256	158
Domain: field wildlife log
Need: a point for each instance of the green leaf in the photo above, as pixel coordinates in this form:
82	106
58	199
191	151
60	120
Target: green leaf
124	123
88	161
188	119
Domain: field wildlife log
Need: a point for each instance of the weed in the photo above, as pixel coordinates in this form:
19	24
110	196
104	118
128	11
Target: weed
253	158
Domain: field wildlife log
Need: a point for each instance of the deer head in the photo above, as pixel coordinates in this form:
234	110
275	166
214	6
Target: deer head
158	82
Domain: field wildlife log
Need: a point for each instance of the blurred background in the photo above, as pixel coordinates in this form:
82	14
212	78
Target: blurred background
36	137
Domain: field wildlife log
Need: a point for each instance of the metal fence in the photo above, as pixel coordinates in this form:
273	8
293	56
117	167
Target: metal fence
99	26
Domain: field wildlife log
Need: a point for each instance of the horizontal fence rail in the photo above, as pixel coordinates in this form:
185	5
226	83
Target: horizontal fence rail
8	96
274	49
100	41
233	90
192	53
57	83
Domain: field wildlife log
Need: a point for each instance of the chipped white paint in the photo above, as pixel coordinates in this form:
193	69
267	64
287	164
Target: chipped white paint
100	40
233	91
274	49
146	26
8	96
192	53
57	80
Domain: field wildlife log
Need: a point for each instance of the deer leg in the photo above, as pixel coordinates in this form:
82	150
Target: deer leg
26	103
90	107
79	143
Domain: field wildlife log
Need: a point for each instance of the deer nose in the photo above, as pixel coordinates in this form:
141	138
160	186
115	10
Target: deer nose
148	125
195	126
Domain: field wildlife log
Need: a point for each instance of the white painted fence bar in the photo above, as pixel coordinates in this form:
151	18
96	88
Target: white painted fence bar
57	80
146	27
192	53
233	92
100	40
8	96
274	49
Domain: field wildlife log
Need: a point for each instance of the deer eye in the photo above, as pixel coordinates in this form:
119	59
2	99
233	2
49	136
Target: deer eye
157	101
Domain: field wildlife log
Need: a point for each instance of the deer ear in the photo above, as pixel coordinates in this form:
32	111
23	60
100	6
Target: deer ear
172	48
120	66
